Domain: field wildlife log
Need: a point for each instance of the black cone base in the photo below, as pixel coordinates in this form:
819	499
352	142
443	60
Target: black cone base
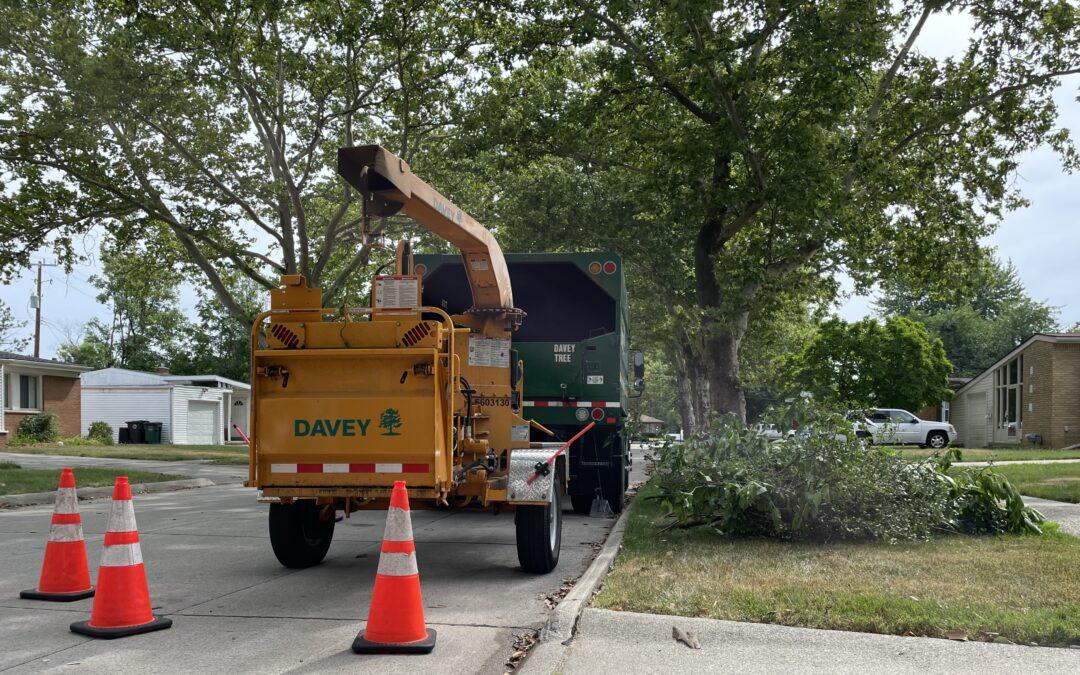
362	646
35	594
84	627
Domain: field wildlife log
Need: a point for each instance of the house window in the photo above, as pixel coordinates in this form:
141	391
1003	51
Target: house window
946	411
1009	394
22	392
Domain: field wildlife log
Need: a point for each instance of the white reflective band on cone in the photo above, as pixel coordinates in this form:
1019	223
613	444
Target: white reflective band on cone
398	525
68	532
121	555
121	517
397	564
66	501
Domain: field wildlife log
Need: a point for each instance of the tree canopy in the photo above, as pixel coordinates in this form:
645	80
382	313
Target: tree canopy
740	152
737	153
214	126
896	364
994	316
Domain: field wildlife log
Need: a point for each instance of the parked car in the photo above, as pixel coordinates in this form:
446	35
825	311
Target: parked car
770	432
892	426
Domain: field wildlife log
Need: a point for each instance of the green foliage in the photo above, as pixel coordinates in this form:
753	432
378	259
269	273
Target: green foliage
102	432
43	427
874	364
213	127
734	152
9	329
985	321
824	484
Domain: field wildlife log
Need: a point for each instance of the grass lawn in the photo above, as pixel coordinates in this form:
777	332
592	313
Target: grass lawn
218	454
1025	588
1060	482
14	480
993	454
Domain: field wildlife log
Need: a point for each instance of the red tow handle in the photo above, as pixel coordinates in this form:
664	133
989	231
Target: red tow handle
536	474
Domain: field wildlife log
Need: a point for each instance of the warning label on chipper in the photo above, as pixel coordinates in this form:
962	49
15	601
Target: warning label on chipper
490	352
397	292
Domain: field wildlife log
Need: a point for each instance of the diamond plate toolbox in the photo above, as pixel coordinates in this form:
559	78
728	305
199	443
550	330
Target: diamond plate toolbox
522	465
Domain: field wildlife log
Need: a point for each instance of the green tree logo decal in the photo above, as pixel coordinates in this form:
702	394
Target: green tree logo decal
390	420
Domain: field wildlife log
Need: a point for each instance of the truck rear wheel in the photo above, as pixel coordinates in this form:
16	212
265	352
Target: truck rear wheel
581	503
614	485
539	534
299	535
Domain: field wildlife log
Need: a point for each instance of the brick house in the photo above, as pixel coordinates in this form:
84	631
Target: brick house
32	385
1031	396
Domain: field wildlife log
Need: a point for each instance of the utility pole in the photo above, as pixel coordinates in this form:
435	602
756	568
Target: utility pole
36	303
37	317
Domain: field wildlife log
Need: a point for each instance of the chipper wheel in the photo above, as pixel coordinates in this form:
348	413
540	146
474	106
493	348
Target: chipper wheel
300	533
539	534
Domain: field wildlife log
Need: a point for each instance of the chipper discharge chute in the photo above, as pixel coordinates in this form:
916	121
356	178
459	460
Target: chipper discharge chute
346	401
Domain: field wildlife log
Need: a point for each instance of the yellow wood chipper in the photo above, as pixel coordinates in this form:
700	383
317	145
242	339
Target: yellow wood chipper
346	401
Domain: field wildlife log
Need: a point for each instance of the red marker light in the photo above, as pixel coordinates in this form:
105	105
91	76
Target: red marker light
598	414
611	420
609	267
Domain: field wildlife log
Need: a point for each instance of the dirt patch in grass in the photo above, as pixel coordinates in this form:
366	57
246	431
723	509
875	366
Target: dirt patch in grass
14	480
1060	482
224	454
1025	588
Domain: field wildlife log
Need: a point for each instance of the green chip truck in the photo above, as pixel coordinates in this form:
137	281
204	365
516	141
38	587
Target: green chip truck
574	342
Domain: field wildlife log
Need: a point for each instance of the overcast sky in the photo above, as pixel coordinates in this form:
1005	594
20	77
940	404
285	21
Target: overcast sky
1042	240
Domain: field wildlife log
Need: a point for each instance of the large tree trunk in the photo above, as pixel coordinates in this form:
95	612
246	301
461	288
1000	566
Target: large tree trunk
721	369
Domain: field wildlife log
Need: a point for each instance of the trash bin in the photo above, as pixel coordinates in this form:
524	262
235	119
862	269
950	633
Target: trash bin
152	432
136	431
125	435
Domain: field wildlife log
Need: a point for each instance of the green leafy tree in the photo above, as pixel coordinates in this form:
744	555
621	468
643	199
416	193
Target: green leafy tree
217	344
10	339
994	315
213	126
895	363
141	287
737	151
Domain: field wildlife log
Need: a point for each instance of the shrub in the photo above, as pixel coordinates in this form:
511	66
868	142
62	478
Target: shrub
101	431
823	483
40	428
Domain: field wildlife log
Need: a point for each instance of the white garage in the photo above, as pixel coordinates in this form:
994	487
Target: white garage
192	409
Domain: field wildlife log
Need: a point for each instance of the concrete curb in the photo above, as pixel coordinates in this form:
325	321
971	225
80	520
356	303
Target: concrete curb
34	498
544	658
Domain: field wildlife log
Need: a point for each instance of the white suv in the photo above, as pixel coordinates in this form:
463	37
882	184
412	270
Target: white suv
891	426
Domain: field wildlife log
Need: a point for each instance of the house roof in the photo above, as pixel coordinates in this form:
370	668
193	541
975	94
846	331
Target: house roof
1053	338
51	364
236	384
646	419
122	377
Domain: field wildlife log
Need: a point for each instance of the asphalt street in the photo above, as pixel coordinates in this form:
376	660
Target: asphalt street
235	608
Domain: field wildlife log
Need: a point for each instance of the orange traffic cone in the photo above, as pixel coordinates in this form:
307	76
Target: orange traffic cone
122	605
395	622
65	575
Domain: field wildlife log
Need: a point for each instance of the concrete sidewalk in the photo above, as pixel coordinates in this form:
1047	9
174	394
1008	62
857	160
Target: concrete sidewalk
1007	462
627	642
1064	513
219	473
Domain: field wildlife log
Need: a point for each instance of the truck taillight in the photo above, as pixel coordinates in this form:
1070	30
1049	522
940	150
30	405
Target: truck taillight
598	414
609	267
420	270
594	268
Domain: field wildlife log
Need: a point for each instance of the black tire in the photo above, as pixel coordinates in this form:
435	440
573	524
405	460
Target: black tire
581	503
299	536
537	546
614	486
937	440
